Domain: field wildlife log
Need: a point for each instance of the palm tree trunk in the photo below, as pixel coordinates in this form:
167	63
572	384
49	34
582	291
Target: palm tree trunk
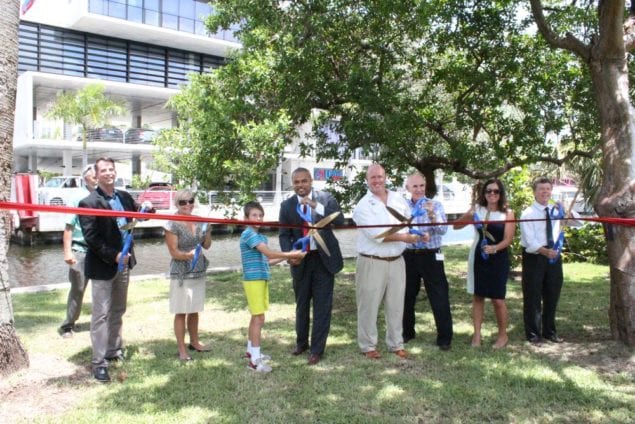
12	354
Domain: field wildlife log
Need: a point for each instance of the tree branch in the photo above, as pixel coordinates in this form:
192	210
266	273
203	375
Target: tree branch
569	42
441	162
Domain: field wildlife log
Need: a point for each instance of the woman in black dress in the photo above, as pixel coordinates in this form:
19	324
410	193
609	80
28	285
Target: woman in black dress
488	263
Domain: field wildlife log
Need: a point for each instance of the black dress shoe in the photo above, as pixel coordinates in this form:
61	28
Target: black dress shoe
445	347
554	338
534	340
101	374
299	350
406	339
314	358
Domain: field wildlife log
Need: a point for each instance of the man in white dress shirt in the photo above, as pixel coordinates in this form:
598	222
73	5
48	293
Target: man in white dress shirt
381	273
541	279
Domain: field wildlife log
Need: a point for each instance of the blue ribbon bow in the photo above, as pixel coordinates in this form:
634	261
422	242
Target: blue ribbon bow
557	212
418	211
303	243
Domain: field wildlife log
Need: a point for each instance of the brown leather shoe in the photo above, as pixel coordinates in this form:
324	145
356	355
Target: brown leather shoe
401	353
314	358
373	354
299	350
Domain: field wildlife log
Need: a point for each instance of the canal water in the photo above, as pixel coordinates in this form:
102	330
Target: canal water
44	264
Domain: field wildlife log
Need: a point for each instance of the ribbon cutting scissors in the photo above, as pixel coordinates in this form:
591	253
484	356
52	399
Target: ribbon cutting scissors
301	244
418	210
486	234
127	241
557	246
199	248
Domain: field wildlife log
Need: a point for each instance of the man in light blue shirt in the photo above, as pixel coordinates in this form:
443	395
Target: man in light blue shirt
424	261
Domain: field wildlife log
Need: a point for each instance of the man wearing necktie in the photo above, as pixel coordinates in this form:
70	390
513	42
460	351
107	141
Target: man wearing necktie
313	276
542	266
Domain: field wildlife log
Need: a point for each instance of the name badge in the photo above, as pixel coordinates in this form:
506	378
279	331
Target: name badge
439	256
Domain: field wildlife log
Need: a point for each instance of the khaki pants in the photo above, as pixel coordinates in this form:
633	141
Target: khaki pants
376	281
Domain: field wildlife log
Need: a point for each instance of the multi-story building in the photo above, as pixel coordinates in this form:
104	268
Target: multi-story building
139	50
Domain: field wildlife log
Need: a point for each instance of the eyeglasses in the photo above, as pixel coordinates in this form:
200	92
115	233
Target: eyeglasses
185	202
492	191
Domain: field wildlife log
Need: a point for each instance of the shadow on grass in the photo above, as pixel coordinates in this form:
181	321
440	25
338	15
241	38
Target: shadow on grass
521	383
345	387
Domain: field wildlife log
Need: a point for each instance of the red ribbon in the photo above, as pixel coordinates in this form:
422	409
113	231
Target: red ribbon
629	222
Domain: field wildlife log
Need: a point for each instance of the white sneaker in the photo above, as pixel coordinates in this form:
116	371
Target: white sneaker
263	357
259	366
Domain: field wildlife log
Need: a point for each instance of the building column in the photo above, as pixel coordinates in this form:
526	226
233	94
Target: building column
67	162
32	163
136	164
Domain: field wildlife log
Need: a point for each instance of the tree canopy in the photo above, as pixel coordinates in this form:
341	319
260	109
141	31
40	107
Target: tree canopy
464	86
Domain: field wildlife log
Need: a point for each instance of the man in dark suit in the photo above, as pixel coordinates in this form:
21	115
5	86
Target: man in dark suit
314	276
105	238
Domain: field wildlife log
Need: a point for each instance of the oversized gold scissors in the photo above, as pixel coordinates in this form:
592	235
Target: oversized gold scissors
302	243
403	220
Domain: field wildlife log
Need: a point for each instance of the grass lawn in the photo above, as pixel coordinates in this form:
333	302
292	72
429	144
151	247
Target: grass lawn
589	378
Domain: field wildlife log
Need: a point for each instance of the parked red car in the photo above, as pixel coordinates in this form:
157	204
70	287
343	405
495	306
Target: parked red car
160	194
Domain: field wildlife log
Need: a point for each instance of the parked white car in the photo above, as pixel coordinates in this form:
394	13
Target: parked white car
59	191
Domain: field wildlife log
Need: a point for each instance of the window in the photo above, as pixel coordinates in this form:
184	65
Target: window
61	51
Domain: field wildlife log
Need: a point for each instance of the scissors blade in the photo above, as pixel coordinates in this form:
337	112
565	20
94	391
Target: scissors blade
327	220
318	238
399	216
129	226
388	232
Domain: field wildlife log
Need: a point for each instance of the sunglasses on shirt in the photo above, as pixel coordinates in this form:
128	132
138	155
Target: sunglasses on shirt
492	191
185	202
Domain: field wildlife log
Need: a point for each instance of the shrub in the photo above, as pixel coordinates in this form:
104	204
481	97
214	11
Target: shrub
585	244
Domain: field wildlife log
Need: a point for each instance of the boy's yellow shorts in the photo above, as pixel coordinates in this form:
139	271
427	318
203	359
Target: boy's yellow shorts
257	293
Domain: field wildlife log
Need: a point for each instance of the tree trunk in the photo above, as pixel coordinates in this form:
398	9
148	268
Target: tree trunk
610	78
606	58
12	354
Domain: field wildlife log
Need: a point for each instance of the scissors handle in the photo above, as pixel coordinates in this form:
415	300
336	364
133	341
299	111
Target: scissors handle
558	247
197	254
124	251
417	232
484	243
302	243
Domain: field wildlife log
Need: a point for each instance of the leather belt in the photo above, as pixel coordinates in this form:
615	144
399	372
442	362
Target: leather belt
422	251
381	258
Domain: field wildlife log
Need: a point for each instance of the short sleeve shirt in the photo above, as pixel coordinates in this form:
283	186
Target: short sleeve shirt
186	241
73	221
255	264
